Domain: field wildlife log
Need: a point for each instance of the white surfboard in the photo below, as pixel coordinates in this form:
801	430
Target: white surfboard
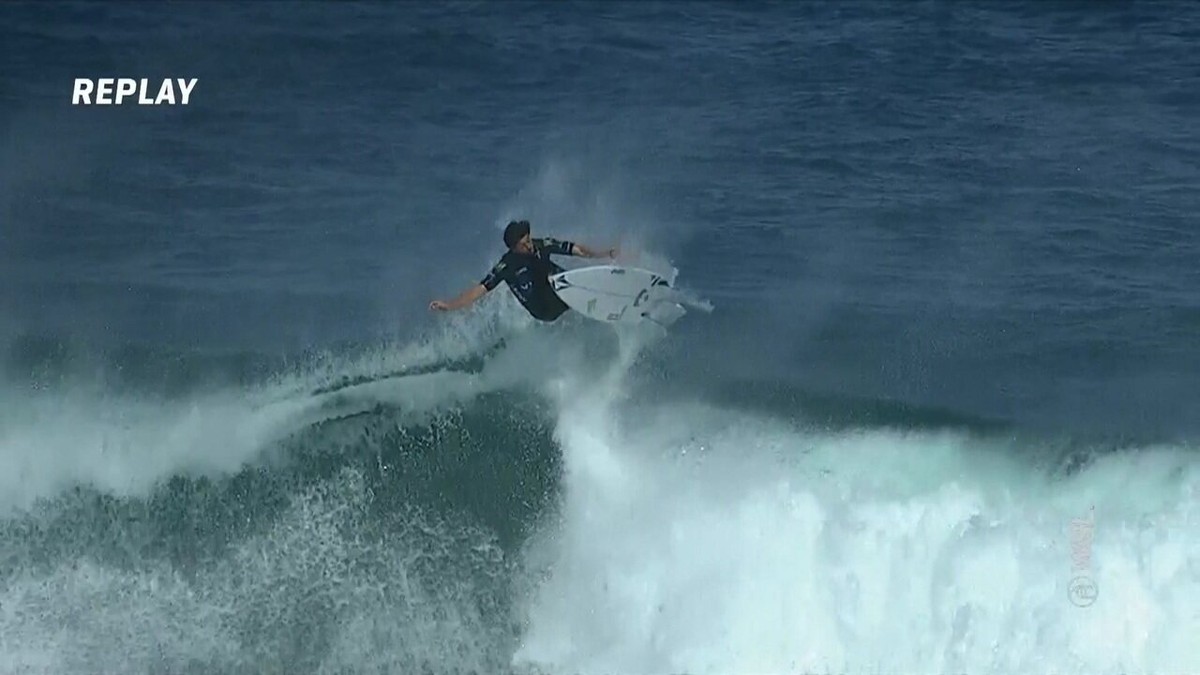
619	294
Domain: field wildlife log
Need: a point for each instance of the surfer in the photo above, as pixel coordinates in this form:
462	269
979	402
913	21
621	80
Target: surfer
526	268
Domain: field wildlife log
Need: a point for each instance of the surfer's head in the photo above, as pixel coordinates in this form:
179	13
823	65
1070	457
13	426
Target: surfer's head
516	236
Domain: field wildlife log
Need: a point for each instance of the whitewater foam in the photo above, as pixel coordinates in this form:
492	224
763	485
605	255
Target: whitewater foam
124	444
321	590
714	542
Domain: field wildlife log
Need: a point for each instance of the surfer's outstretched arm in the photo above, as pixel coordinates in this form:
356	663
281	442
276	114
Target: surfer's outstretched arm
563	247
464	299
585	252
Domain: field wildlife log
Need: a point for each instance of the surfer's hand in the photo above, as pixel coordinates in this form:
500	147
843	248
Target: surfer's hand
438	306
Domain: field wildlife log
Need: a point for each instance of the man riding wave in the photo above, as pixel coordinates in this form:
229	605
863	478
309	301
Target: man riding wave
526	268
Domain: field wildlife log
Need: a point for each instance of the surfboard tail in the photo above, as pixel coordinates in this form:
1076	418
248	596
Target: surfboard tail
665	313
675	295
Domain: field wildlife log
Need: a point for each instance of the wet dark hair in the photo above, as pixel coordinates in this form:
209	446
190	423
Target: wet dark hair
515	230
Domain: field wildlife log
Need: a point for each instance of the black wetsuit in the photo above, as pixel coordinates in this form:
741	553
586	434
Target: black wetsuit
528	276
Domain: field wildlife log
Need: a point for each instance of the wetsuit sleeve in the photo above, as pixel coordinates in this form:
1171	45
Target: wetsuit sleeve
554	246
499	272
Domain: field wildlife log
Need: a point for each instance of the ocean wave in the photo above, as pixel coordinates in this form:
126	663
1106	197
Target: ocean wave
545	500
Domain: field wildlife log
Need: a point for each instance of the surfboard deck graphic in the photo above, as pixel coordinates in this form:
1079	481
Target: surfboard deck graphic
616	294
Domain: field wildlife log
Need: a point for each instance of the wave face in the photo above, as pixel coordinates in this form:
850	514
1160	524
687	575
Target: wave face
547	503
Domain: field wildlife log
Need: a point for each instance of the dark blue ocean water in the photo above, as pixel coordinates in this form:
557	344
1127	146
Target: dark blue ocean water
952	252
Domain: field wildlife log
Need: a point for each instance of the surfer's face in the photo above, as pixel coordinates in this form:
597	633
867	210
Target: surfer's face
524	244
